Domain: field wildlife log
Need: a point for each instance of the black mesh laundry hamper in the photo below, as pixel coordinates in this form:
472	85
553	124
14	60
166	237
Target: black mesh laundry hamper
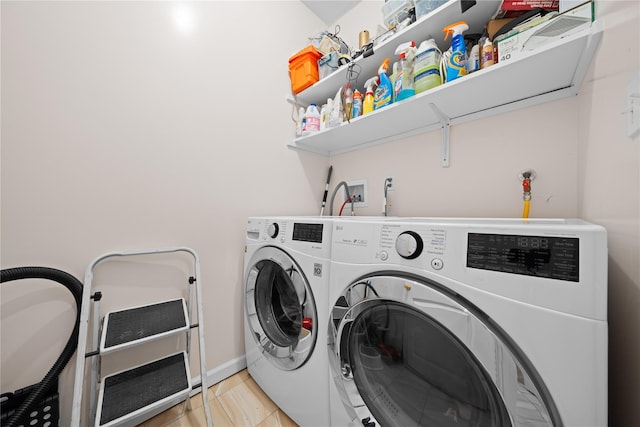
45	413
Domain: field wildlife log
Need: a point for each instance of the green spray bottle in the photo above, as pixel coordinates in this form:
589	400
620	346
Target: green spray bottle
456	63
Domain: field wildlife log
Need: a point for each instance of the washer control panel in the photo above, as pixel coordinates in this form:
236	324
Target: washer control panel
425	246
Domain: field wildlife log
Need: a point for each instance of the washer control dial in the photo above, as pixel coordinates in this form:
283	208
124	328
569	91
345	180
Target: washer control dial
273	230
409	245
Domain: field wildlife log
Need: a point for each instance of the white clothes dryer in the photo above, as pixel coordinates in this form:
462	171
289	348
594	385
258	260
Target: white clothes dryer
468	322
286	279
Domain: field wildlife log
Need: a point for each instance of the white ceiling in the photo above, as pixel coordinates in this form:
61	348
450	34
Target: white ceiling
330	10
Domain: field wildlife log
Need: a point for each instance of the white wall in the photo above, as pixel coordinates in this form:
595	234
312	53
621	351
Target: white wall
122	129
119	131
609	194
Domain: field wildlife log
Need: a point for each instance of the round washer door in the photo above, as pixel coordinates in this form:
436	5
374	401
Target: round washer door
405	351
280	308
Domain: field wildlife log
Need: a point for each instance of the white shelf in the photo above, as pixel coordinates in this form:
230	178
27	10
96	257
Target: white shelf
428	25
551	72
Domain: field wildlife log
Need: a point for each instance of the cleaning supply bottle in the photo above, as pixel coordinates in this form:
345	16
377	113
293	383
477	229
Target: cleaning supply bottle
456	65
487	57
367	105
311	120
473	59
356	109
426	67
347	97
403	86
323	116
394	78
336	114
384	92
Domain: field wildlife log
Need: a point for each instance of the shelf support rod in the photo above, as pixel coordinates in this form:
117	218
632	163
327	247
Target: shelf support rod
445	123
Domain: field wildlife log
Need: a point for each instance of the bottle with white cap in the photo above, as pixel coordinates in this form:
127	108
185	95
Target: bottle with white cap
311	120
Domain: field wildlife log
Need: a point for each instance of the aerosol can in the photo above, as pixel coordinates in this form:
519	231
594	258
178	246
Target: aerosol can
456	63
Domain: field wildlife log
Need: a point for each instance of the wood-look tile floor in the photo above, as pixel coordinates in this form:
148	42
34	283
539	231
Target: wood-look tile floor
236	401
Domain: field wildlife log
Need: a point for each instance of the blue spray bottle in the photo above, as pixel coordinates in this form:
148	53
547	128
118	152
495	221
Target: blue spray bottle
384	92
456	63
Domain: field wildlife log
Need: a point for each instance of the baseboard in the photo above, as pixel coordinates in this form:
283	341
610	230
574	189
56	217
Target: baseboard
221	372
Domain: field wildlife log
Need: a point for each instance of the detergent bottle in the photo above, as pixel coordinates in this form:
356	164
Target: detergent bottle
367	105
311	120
384	92
356	109
456	64
426	68
403	86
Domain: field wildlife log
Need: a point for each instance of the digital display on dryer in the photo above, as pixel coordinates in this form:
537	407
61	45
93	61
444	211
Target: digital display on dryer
540	256
307	232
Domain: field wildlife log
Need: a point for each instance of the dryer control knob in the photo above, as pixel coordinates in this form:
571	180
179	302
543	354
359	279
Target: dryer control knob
273	230
409	245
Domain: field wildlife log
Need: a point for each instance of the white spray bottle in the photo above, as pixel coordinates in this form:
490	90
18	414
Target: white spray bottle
403	84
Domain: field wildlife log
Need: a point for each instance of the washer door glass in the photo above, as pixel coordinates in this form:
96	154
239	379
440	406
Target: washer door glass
408	352
412	371
280	308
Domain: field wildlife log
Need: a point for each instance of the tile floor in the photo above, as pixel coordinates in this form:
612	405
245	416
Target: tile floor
236	401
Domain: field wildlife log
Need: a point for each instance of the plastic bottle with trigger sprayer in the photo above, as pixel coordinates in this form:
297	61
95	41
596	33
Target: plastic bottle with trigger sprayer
456	64
367	105
403	85
384	92
426	68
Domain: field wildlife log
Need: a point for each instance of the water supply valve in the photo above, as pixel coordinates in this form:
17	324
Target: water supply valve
526	176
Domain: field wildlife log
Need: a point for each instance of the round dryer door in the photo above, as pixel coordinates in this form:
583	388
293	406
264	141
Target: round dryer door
405	351
280	308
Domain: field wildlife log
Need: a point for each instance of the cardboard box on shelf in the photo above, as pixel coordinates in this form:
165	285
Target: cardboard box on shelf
495	24
521	40
515	8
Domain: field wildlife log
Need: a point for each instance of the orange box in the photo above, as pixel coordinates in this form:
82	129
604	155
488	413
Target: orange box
303	68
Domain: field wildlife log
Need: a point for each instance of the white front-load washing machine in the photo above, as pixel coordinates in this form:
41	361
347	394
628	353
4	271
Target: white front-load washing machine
468	322
286	278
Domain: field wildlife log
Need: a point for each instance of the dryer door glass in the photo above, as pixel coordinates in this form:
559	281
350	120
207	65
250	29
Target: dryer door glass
280	309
